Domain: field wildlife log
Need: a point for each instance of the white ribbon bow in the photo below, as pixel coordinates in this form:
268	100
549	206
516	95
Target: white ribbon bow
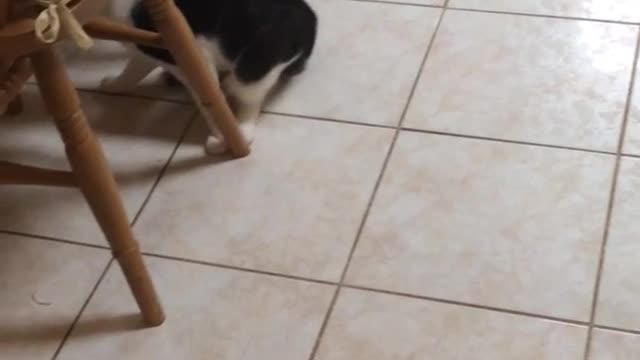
56	16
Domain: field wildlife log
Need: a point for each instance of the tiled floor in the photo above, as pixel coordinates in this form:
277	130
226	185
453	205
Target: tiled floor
449	179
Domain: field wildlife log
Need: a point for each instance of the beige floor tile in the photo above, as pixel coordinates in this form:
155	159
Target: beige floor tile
211	314
621	10
551	81
107	58
293	206
494	224
368	326
610	345
138	137
365	62
509	226
620	290
43	285
632	141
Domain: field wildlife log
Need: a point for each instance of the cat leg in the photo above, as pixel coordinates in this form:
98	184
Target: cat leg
249	95
256	72
215	143
138	67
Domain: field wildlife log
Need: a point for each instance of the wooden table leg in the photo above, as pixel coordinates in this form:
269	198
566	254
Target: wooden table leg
95	179
180	41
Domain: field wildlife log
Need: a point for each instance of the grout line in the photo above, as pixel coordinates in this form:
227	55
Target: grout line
544	16
502	12
391	293
82	308
136	96
468	305
326	119
371	289
401	3
444	133
54	239
387	292
620	330
164	169
359	232
132	95
382	126
508	141
238	268
376	187
612	196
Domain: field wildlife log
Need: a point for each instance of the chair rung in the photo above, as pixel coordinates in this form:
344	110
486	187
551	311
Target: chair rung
16	174
107	29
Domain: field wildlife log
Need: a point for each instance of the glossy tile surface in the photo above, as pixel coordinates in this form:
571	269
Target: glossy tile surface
384	327
618	10
352	74
293	206
43	286
212	314
490	75
611	345
499	225
620	290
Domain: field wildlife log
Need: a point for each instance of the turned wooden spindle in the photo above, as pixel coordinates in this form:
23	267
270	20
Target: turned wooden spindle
94	178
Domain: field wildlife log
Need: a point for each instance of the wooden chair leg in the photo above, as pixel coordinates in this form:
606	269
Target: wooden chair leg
95	179
180	41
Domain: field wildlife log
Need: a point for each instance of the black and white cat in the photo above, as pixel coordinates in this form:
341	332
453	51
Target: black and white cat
252	43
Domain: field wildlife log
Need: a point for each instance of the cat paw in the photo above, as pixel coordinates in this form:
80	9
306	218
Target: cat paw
215	146
248	129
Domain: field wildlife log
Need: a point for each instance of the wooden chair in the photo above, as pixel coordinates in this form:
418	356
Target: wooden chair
21	52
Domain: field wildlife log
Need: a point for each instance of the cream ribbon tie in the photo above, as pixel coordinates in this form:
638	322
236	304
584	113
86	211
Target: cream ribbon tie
58	16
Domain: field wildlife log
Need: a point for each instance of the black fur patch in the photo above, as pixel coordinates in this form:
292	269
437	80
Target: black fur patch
255	34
